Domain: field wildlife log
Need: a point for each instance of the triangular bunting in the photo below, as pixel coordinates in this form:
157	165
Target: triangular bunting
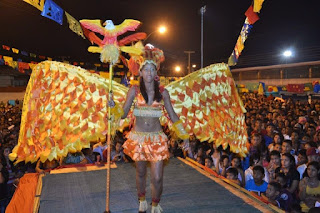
252	16
36	3
14	50
74	25
52	11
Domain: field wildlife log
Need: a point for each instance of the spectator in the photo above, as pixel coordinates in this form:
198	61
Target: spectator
288	168
302	162
277	197
236	163
232	175
208	163
275	162
223	165
253	161
257	184
310	187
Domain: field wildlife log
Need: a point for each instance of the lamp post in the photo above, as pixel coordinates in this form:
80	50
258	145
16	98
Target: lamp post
189	53
202	11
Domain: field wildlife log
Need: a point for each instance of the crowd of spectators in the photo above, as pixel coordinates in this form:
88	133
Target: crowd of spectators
282	164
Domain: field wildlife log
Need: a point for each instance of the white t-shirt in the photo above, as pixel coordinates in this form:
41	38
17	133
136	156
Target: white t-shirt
248	174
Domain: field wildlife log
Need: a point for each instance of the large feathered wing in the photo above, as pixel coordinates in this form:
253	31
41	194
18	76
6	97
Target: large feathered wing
208	103
65	108
93	25
126	25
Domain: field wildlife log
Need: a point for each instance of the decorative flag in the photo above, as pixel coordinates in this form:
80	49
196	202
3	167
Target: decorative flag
81	63
32	65
50	59
97	65
42	57
75	63
14	50
74	25
33	55
52	11
1	61
8	61
23	66
232	61
5	47
15	65
257	5
24	53
252	16
66	62
36	3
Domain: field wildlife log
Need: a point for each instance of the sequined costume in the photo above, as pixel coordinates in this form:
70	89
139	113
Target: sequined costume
146	146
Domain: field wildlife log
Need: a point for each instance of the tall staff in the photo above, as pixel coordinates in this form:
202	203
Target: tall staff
110	49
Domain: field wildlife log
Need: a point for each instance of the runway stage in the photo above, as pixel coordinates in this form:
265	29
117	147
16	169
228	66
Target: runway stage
185	190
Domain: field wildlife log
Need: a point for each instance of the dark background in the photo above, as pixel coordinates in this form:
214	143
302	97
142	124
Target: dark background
283	24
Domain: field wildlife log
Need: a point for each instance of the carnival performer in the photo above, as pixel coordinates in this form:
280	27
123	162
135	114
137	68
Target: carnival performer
146	142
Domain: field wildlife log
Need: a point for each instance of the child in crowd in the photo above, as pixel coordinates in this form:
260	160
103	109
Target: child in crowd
257	184
232	175
208	163
278	198
236	163
117	154
275	162
254	160
223	165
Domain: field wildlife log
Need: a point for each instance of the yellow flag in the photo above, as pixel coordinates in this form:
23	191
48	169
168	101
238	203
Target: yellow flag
14	50
36	3
74	25
31	65
104	74
49	59
97	65
14	64
257	5
8	60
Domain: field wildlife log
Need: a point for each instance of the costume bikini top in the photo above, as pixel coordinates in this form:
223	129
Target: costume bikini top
142	109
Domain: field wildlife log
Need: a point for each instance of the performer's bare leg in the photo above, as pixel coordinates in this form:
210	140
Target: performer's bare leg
141	174
156	181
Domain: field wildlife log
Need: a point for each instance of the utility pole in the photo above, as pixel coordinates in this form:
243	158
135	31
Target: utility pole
202	11
189	52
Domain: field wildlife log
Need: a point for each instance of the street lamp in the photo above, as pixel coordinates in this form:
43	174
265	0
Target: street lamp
177	68
161	30
194	65
287	53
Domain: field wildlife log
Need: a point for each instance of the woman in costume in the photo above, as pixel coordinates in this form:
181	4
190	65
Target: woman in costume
146	142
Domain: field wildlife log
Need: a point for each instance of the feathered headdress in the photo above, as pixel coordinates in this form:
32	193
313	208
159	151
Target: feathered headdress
150	55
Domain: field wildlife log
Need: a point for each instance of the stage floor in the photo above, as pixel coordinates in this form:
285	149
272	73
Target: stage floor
185	190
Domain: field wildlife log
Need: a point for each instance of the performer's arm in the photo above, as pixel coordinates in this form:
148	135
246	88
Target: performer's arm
168	106
177	124
127	105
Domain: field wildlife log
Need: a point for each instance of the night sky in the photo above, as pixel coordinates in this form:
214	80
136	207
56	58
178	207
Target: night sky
283	24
